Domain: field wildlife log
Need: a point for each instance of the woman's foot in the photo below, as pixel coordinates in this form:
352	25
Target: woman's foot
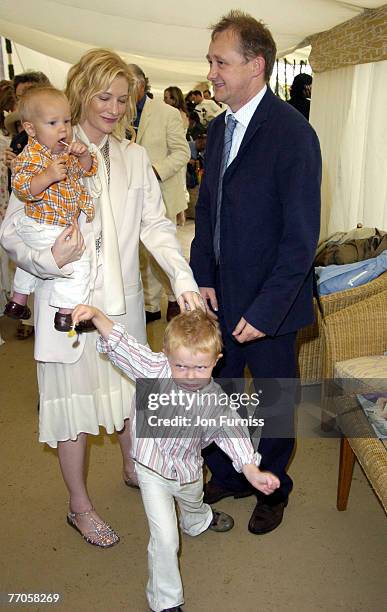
92	528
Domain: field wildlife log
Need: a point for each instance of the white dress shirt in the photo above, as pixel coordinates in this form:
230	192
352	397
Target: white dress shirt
243	117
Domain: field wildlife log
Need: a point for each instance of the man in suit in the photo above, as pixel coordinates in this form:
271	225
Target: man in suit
160	131
257	226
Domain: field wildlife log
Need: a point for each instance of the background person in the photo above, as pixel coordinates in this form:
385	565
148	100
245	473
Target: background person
160	131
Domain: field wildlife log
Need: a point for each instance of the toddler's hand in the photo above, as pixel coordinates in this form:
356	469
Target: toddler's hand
57	170
266	482
83	312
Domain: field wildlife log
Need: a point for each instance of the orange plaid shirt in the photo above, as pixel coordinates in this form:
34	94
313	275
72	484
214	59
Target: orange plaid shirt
61	202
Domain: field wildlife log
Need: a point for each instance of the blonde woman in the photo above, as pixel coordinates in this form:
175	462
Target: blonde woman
79	390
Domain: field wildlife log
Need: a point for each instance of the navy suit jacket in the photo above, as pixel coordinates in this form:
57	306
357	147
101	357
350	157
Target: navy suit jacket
269	223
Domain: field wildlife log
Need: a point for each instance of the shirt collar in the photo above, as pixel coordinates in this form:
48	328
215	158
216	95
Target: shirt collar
39	148
244	114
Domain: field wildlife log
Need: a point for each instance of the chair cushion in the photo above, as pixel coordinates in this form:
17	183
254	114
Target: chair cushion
363	367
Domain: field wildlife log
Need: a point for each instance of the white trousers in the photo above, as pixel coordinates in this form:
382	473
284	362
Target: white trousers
164	588
66	292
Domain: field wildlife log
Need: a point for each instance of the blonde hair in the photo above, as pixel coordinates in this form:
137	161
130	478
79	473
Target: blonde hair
93	74
194	330
32	98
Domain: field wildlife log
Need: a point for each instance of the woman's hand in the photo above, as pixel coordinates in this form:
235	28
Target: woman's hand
69	246
190	300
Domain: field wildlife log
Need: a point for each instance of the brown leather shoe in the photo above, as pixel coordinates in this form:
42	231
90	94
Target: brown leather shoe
213	493
17	311
266	515
173	310
63	322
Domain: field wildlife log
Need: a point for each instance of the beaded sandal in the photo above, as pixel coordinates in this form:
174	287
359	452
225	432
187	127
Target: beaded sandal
101	534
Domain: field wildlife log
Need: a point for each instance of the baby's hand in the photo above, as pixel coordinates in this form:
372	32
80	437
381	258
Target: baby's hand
77	148
80	150
266	482
57	170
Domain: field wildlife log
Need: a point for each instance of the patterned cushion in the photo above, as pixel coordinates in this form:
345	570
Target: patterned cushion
363	368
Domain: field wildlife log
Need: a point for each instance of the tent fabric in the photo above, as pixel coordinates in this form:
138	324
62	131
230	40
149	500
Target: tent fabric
360	40
168	39
353	138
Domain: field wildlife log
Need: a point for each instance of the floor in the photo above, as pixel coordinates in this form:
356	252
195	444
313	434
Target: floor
318	559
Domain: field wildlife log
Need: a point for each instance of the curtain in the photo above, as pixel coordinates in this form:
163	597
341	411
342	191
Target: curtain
348	113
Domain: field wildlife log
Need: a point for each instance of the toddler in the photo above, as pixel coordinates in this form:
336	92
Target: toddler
47	177
169	464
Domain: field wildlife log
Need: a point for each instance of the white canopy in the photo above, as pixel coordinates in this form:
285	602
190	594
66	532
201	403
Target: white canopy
168	39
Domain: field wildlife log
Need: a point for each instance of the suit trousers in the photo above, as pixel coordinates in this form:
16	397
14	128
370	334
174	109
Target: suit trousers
267	358
164	589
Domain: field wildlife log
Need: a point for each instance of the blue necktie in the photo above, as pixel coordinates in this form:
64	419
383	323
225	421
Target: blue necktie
228	132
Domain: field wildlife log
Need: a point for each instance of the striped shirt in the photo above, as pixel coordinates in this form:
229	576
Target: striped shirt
179	457
61	202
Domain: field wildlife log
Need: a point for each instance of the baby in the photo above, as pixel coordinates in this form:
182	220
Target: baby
46	176
168	460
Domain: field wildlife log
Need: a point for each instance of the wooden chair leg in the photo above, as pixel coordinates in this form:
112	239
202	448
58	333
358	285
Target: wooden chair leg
347	460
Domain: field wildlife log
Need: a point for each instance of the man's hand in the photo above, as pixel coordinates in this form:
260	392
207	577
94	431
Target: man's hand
190	300
244	332
266	482
69	246
208	294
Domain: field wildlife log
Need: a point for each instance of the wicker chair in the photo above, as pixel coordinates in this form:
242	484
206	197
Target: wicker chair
358	331
309	339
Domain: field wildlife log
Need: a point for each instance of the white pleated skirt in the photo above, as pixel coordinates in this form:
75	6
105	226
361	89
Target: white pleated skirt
81	397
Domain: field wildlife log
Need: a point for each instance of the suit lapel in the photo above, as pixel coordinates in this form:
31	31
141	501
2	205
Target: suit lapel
145	116
257	120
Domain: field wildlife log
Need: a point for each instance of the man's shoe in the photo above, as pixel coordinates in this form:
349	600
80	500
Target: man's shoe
173	310
214	493
266	515
17	311
152	316
221	522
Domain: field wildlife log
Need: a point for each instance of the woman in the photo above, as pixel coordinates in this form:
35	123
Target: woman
79	390
174	97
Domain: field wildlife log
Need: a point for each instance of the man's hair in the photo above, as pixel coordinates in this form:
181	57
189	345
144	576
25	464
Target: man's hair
93	74
197	92
177	95
254	37
34	97
36	78
193	330
140	76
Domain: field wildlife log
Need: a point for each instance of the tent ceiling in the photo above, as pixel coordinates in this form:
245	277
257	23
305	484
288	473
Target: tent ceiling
169	39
